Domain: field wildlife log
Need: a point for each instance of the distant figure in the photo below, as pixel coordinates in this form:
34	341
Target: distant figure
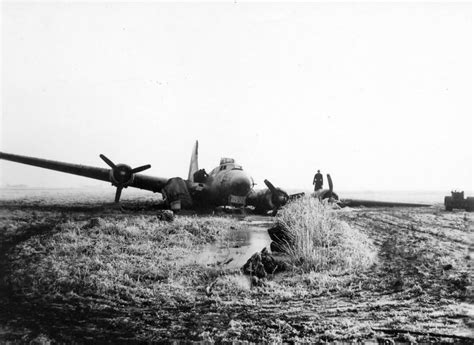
318	181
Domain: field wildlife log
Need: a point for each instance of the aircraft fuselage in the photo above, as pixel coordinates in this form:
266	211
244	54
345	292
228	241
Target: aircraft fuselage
227	184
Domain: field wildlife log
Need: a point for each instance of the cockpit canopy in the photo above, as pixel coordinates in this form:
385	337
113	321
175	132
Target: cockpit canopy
226	160
226	164
229	164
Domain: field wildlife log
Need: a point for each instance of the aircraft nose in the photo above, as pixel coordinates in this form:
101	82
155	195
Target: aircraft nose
240	184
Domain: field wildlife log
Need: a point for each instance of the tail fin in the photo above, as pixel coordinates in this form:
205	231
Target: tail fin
193	165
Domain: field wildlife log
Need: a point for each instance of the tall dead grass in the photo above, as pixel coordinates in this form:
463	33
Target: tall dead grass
322	242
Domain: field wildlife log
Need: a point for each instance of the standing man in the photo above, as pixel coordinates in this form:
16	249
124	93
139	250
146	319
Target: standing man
318	181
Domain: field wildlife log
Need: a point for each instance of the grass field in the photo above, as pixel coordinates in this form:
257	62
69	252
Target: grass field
75	270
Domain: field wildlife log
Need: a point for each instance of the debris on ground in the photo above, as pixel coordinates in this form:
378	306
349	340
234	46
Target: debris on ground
262	264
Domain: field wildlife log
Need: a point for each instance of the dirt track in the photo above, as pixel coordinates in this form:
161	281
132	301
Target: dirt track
420	289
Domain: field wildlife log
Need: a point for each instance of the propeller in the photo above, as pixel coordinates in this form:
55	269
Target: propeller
279	197
122	175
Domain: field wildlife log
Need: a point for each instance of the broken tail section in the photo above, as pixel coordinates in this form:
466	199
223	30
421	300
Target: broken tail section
193	165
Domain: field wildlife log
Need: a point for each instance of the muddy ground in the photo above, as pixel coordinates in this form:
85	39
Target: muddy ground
419	289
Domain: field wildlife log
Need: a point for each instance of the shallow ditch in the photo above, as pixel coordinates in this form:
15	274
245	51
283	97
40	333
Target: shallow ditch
238	246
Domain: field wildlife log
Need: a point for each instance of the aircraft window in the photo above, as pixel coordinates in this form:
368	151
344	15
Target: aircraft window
223	167
226	160
237	167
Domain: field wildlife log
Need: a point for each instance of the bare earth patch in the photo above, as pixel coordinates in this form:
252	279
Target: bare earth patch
130	277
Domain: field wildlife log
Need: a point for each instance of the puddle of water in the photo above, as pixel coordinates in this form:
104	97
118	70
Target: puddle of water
238	247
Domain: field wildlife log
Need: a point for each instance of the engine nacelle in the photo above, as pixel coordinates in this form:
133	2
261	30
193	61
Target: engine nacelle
122	175
176	194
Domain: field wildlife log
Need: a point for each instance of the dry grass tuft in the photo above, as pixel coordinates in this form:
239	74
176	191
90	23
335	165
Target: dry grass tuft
322	241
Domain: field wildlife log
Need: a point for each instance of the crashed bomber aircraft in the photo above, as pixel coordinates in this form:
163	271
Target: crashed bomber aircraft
227	184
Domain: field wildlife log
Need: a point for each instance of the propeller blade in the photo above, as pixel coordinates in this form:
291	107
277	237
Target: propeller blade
330	183
108	161
330	193
270	186
140	169
279	197
117	194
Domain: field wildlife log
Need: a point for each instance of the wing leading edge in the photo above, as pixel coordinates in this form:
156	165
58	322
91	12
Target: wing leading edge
151	183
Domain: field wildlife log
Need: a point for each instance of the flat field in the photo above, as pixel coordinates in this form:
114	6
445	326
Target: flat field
74	269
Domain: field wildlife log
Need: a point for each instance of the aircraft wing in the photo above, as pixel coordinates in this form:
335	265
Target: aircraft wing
374	203
146	182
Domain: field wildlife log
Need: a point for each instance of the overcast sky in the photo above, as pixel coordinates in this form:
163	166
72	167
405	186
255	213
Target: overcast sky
377	94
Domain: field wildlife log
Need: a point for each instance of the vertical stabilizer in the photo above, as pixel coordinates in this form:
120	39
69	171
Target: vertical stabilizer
193	165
